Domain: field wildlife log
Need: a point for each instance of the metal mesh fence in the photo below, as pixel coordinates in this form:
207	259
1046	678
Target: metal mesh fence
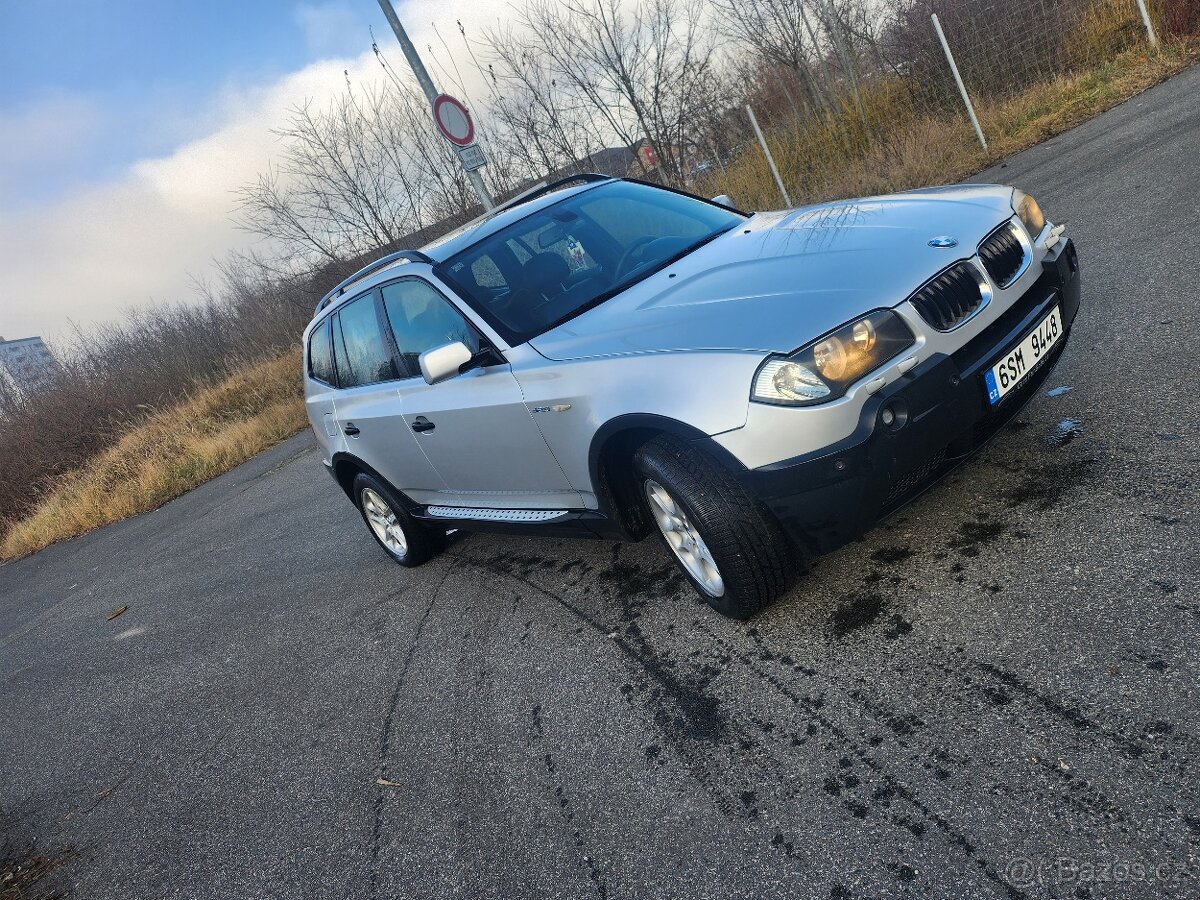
1003	47
878	107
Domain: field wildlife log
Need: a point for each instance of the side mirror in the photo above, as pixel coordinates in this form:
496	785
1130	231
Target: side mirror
444	362
724	200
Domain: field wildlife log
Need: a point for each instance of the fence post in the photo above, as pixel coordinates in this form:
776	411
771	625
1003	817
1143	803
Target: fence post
962	88
770	159
1149	25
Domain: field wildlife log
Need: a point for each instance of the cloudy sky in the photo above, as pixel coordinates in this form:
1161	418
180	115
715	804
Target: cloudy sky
128	126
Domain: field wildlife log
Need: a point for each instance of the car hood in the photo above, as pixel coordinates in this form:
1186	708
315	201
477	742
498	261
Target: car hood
781	279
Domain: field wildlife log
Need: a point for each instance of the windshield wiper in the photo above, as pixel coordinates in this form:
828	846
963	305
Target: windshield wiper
673	258
630	282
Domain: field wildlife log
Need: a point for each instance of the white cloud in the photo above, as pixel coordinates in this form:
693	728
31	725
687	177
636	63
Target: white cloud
56	130
107	247
134	240
330	27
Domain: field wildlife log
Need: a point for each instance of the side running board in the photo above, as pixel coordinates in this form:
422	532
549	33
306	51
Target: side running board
494	515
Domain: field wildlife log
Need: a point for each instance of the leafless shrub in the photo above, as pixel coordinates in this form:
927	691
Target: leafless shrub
114	374
628	73
358	176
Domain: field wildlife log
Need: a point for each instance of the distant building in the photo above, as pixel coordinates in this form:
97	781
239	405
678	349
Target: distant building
27	362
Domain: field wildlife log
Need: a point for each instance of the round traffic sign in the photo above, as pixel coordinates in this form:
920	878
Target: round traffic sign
453	120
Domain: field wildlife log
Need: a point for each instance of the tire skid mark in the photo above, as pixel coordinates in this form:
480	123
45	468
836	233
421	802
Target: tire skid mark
702	720
857	798
690	719
471	690
385	735
698	728
1078	792
562	803
889	788
1129	746
1150	748
1081	793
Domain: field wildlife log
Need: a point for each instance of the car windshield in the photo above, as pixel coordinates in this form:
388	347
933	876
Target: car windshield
568	257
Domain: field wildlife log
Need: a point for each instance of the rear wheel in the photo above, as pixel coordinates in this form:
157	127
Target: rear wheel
727	544
405	540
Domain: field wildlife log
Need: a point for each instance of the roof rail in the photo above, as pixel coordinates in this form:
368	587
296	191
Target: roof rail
539	189
382	263
546	187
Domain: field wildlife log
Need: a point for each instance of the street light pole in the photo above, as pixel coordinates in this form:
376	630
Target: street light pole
431	92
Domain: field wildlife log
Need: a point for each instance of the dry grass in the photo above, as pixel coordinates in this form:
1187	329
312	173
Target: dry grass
169	453
835	160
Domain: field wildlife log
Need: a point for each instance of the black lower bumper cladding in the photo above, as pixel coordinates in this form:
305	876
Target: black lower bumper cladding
939	415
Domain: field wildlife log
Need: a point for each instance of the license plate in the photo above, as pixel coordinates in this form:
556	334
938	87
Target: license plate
1019	362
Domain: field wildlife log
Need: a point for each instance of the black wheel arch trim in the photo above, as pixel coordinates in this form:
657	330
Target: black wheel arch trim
631	422
653	422
341	458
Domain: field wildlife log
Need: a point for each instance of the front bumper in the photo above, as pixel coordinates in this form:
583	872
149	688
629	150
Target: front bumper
827	498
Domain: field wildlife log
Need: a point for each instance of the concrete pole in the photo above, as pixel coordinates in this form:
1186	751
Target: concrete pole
770	159
426	83
1149	25
962	88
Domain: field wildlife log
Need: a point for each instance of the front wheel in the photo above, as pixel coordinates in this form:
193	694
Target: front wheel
405	540
727	544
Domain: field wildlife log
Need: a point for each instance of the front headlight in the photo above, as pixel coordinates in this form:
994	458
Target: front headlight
1028	212
824	369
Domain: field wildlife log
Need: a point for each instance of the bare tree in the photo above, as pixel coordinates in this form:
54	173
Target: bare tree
780	33
640	71
542	125
360	175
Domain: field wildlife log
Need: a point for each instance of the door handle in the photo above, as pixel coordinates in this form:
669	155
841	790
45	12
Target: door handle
350	428
420	423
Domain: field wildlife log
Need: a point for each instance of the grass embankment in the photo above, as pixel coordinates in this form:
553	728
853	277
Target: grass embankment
169	453
899	150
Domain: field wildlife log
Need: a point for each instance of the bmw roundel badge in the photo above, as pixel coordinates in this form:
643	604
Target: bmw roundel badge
945	241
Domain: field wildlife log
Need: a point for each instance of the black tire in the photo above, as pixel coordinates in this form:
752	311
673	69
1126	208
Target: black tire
421	541
754	557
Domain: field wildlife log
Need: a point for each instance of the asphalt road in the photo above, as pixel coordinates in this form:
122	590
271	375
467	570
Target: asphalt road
998	686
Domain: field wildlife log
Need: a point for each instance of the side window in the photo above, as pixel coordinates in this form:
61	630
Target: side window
362	355
422	319
320	355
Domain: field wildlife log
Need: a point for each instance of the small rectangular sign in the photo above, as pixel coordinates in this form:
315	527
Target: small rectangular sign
471	157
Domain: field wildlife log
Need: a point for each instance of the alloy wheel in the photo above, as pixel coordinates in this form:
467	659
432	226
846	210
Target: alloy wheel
684	539
384	523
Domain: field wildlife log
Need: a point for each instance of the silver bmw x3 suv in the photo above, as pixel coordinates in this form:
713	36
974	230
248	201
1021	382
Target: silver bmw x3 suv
610	358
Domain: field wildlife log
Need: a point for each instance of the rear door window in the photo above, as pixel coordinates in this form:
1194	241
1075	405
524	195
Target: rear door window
320	354
362	355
